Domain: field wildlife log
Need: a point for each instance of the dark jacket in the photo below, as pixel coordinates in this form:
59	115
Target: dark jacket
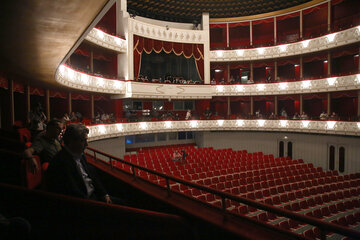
63	177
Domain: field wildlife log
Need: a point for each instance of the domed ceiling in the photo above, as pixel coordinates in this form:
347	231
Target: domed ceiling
190	10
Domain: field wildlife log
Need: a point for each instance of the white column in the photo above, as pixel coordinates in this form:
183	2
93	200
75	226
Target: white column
125	61
275	37
251	33
227	35
329	17
206	28
301	24
328	104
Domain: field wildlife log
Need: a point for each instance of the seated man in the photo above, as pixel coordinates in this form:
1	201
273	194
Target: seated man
184	155
46	145
176	156
69	173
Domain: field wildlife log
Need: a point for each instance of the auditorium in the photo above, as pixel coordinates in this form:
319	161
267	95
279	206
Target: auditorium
212	119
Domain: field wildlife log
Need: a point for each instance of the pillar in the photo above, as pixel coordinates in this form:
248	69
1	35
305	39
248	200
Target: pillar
251	71
69	103
11	96
275	36
206	28
329	17
328	104
251	105
358	104
92	106
228	107
275	71
28	102
276	105
227	35
301	24
228	73
251	33
359	61
301	104
301	68
47	103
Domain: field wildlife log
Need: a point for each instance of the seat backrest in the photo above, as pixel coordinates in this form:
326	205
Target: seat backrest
32	180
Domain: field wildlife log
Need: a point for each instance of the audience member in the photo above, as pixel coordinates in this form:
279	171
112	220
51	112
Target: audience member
37	120
184	155
283	113
73	116
323	116
333	116
304	116
296	116
66	118
272	116
46	145
188	115
207	113
213	81
176	156
69	173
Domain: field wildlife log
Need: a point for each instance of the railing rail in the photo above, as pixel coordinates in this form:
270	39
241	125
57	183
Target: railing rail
323	226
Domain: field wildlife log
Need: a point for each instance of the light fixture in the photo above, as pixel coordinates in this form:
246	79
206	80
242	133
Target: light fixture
193	123
100	81
218	70
219	88
220	122
305	43
325	61
305	124
240	123
143	125
260	87
330	124
70	74
331	81
283	85
119	127
240	52
358	124
168	124
358	78
100	34
306	84
219	53
296	65
260	50
117	84
117	41
283	123
285	137
261	122
283	48
331	37
101	129
85	79
62	69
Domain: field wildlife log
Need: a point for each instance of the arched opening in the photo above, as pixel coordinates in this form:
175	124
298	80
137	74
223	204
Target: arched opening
289	152
281	149
341	159
332	158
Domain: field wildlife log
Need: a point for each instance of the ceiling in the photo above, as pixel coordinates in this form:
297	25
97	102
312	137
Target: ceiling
37	35
190	10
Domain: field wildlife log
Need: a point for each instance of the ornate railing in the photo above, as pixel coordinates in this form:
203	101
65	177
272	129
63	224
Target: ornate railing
106	40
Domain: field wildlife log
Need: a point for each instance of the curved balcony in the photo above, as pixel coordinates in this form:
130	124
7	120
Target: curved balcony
319	127
74	79
329	41
106	40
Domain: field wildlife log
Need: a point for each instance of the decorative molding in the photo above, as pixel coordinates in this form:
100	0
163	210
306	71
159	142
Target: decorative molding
329	41
165	33
74	79
303	126
131	89
105	40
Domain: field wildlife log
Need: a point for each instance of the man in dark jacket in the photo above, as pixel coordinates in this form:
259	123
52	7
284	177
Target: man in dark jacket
69	173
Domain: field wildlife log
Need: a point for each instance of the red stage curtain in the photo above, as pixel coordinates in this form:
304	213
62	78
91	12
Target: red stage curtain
148	45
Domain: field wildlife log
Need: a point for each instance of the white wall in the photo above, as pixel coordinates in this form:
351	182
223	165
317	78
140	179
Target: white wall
310	147
187	26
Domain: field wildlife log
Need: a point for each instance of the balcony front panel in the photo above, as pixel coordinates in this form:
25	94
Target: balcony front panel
105	40
329	41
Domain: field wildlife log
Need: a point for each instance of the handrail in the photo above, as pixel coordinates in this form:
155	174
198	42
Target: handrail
323	226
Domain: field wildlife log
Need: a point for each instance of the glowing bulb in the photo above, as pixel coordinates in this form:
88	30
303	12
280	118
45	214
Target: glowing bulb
306	84
261	122
305	124
219	53
143	125
168	124
101	129
358	78
331	81
85	79
331	37
62	69
219	88
239	122
220	122
260	50
330	124
283	48
193	124
283	85
117	84
100	34
283	123
100	81
305	43
119	127
358	124
70	74
261	87
117	41
240	52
